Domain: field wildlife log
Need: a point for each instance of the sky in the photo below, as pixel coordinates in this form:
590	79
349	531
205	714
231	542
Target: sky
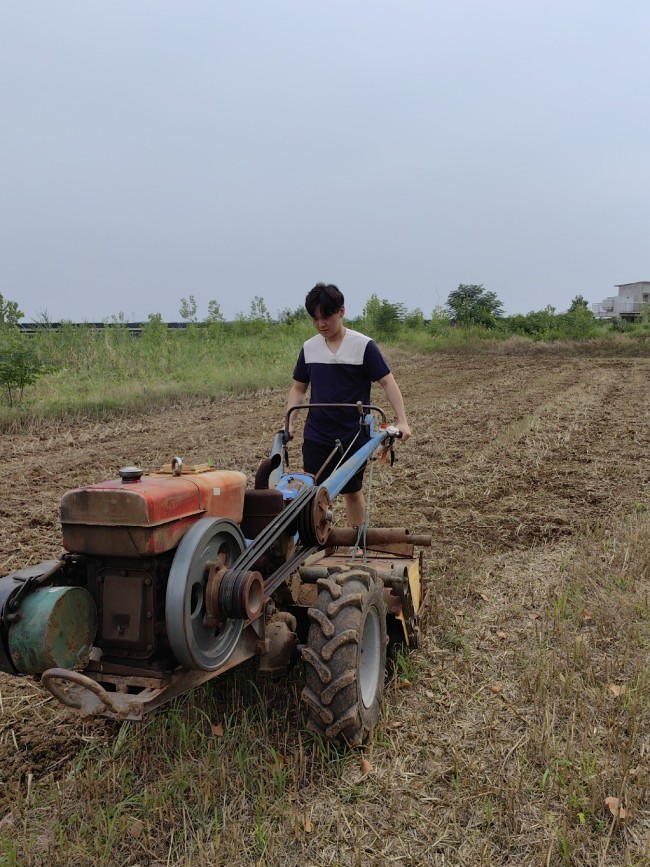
155	149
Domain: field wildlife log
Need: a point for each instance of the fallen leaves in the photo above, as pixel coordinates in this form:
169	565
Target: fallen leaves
502	634
616	809
616	689
534	615
136	828
365	766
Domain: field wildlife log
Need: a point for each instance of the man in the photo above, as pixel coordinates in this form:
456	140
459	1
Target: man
340	365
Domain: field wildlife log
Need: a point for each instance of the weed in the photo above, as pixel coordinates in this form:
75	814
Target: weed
451	640
407	665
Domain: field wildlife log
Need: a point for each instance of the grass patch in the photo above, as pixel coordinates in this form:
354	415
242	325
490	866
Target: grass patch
227	774
100	373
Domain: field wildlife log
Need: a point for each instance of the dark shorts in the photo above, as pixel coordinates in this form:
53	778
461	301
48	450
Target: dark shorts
315	454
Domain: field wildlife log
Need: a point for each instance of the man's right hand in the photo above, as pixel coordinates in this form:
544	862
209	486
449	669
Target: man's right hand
296	398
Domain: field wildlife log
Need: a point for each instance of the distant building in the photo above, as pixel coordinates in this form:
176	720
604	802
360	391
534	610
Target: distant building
630	301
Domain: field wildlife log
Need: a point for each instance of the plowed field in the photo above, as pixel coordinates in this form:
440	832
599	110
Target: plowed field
520	465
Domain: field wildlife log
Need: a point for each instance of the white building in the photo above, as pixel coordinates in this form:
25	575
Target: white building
630	301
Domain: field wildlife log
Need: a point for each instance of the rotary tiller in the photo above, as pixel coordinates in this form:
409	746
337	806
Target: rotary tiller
172	578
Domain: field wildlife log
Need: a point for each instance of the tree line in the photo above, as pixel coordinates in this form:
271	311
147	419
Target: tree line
470	308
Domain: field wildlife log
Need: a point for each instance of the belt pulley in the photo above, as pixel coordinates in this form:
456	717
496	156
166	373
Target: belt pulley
309	515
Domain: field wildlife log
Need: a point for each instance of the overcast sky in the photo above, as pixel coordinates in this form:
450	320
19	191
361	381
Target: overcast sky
153	149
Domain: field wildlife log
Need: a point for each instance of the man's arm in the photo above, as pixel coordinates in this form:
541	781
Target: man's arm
394	395
296	397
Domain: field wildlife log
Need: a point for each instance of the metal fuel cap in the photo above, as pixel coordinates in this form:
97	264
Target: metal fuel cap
131	474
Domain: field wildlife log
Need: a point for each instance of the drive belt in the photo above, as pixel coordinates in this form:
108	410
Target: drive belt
229	605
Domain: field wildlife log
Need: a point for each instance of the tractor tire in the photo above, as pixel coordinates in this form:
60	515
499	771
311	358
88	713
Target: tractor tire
345	657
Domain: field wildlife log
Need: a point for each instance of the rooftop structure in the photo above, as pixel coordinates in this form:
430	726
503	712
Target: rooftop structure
632	298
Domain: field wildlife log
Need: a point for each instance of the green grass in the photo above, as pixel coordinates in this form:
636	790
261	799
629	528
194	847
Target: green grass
179	790
100	373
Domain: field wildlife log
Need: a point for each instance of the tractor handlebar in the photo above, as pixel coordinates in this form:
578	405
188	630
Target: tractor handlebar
364	409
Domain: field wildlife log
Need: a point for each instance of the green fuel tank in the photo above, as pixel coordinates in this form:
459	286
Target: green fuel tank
55	628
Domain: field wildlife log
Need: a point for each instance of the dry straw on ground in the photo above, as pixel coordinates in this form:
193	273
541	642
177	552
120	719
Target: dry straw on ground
519	734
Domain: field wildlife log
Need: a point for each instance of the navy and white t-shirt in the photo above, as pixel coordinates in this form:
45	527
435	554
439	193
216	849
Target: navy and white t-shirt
344	376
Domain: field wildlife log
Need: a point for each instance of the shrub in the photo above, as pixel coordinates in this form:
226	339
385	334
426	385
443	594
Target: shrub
20	364
472	304
383	319
440	321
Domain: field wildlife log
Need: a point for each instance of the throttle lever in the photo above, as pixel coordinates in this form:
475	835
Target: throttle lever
389	448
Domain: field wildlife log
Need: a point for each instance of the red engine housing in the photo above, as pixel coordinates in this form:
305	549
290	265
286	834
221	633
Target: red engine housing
149	515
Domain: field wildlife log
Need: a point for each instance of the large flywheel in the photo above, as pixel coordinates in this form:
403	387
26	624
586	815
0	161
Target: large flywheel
197	642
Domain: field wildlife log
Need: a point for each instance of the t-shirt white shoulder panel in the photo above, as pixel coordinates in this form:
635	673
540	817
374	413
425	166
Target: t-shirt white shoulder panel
316	351
351	350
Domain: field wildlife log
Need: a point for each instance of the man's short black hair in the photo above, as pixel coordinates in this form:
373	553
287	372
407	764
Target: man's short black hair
326	296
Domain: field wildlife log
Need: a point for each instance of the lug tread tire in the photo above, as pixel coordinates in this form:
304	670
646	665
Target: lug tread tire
346	637
326	625
312	701
354	599
332	656
348	720
331	585
314	660
345	679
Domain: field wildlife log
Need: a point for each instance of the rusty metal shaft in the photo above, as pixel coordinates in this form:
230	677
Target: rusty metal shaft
348	536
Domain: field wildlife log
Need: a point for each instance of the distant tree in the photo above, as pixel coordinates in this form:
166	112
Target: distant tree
256	321
154	346
539	325
371	310
414	320
391	316
259	312
20	364
215	315
383	318
440	320
289	316
578	322
154	330
188	309
155	320
10	313
577	303
472	304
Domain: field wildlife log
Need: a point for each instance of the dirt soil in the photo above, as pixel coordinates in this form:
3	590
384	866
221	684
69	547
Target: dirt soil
510	456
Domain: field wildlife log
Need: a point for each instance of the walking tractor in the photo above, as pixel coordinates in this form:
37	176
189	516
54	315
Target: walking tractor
172	578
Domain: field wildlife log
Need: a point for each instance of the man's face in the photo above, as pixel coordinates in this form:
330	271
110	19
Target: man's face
328	326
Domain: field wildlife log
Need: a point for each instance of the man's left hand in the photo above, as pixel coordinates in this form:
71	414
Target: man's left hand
405	430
